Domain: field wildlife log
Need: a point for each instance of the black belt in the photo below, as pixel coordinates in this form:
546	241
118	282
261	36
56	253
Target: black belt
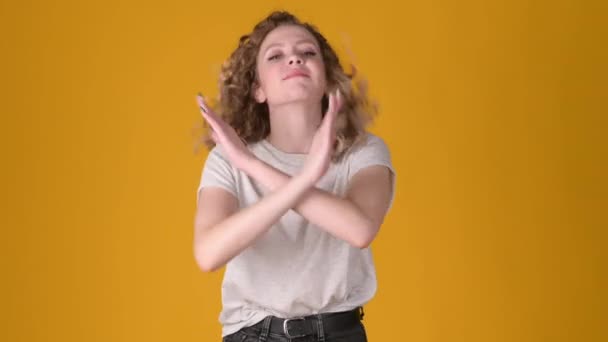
308	325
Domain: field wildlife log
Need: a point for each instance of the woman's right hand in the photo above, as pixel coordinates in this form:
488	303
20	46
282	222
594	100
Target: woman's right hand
224	135
322	145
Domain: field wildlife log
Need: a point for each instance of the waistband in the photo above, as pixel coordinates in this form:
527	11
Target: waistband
310	325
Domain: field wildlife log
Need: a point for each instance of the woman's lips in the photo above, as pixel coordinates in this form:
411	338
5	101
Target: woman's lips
296	73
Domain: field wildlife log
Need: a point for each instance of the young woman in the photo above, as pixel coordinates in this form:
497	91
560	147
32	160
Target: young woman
293	191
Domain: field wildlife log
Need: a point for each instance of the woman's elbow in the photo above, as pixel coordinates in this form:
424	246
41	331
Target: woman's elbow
367	235
363	243
205	262
205	266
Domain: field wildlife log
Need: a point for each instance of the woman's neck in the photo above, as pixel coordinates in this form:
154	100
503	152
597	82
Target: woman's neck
293	125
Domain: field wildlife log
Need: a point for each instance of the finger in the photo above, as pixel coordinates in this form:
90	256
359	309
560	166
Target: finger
215	137
332	118
337	100
215	128
210	119
329	120
340	100
208	114
332	110
204	107
330	103
202	104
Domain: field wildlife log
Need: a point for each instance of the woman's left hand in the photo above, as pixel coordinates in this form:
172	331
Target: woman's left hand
322	145
223	134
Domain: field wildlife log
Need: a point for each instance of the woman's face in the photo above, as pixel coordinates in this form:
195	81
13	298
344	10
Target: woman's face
290	67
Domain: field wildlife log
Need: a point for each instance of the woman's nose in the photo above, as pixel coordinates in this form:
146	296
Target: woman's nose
295	59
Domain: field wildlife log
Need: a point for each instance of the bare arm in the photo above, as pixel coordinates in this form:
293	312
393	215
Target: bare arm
222	231
356	218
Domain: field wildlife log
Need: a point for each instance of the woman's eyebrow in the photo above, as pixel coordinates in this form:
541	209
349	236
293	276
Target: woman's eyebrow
299	42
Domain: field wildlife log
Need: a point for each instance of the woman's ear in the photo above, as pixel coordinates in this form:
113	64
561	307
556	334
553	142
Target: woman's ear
259	95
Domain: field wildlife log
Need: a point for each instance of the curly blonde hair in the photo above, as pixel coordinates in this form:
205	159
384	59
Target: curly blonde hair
250	119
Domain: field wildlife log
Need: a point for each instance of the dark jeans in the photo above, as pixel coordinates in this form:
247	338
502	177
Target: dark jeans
259	333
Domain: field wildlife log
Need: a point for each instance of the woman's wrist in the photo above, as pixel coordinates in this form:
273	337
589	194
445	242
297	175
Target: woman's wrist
307	177
254	167
271	178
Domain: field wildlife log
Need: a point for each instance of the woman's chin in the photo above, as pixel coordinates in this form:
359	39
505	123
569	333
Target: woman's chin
311	100
303	96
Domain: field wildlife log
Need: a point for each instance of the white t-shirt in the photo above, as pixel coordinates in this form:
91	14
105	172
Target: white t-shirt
295	268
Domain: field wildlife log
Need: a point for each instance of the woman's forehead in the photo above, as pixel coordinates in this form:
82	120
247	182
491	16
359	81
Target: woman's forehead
288	34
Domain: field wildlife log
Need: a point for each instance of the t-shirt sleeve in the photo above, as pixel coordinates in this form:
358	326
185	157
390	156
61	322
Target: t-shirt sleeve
373	152
217	172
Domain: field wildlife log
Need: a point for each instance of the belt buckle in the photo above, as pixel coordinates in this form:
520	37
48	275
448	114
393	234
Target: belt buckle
286	328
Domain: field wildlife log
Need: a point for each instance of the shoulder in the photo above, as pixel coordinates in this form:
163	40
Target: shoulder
218	162
373	140
367	144
217	155
216	151
369	150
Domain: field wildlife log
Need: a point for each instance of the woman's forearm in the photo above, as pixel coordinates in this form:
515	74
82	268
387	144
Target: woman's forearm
225	240
338	216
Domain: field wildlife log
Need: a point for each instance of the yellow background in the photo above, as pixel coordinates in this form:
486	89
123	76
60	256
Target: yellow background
495	113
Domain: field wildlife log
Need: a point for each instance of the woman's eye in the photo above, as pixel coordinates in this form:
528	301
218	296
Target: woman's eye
310	53
273	57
